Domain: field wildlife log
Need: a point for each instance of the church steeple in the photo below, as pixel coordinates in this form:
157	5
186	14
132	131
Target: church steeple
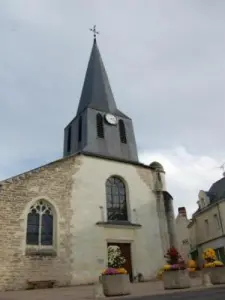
99	127
97	92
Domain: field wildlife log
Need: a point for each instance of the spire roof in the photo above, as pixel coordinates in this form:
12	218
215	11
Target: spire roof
96	92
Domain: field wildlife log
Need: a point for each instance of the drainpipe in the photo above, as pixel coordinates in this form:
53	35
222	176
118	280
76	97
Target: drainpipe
219	214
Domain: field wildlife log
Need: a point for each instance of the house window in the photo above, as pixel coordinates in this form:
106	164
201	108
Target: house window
116	199
207	226
220	254
100	126
203	202
122	130
217	221
194	255
40	224
69	135
80	129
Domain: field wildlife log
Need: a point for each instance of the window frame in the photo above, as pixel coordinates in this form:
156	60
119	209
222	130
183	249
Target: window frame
41	212
116	200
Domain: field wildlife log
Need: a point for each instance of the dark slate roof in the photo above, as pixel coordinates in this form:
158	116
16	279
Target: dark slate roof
96	92
156	165
217	190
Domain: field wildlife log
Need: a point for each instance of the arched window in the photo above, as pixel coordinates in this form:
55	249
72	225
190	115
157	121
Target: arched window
80	129
40	224
122	130
116	200
100	126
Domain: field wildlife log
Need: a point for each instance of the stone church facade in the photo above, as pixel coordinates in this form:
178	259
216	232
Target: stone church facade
56	221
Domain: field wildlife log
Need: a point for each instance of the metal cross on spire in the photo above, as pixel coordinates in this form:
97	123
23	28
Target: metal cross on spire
222	167
95	32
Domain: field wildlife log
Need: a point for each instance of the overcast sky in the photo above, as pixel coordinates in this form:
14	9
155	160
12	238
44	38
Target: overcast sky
166	63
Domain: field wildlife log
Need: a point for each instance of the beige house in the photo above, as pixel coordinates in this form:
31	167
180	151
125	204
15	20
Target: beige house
57	221
207	227
182	233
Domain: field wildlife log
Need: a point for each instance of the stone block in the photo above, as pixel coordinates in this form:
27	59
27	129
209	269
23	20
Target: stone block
176	279
116	285
217	275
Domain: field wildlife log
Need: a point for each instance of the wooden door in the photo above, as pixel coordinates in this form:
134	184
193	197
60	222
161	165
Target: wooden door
126	252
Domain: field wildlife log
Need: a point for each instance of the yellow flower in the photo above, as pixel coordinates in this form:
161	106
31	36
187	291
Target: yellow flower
192	264
209	265
122	271
218	263
167	267
209	253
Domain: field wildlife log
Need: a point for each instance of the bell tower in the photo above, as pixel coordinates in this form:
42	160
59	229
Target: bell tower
99	127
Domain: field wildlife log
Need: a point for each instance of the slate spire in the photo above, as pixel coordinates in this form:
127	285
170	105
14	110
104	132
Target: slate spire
96	92
91	131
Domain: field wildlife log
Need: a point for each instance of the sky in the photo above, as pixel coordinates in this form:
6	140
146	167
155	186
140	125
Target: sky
166	65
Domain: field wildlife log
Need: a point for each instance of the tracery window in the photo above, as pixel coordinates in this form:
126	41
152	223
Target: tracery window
116	199
40	224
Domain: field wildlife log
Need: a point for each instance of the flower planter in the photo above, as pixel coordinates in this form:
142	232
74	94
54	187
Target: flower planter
116	285
217	274
178	279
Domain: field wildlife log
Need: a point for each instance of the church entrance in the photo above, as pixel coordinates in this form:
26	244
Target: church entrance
126	252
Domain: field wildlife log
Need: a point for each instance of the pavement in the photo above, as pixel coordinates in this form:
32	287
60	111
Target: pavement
139	291
217	293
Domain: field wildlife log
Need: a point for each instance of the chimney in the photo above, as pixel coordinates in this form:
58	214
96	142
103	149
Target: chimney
182	211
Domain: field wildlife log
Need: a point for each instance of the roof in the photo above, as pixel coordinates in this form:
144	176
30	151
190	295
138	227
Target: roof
217	190
85	153
215	194
156	165
96	92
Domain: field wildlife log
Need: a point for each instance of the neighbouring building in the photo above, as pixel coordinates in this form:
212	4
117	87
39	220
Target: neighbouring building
207	226
57	220
182	233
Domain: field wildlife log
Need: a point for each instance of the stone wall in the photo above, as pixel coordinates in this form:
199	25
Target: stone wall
90	239
78	198
53	183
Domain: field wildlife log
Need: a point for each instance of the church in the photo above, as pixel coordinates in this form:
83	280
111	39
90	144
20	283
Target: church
57	220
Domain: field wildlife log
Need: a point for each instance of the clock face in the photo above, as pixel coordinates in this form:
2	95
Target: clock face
111	119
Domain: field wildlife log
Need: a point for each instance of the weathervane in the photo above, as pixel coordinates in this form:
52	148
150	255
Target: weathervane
94	31
222	167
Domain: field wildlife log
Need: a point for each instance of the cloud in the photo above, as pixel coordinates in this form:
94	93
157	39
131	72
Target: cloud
186	174
165	61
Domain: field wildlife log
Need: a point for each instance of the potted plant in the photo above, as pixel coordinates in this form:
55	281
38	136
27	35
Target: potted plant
213	267
192	268
115	279
175	275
